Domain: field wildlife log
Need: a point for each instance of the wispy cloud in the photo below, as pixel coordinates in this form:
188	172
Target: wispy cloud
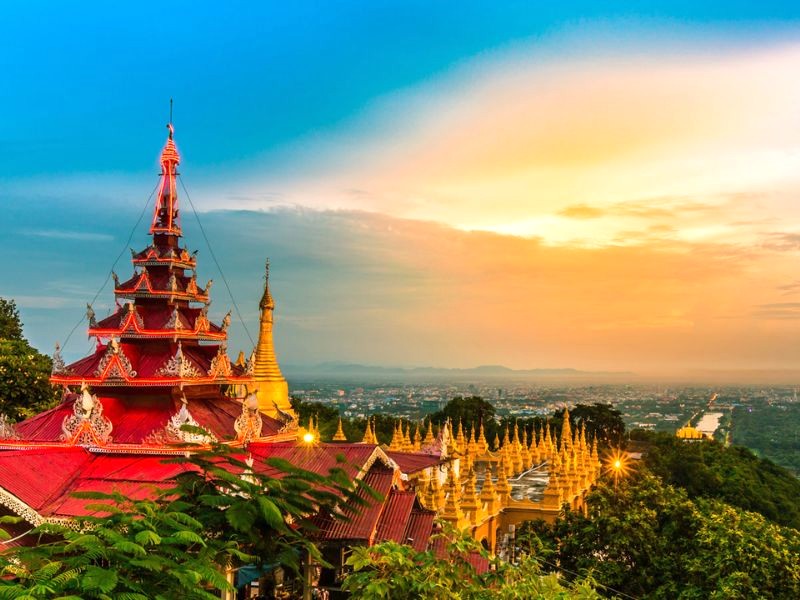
573	150
57	234
777	310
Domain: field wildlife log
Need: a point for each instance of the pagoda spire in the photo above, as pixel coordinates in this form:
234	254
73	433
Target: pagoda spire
165	216
270	385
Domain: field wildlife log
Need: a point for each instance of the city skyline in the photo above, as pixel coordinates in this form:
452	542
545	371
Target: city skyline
589	190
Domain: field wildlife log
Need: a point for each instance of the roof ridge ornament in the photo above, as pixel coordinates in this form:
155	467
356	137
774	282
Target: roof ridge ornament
175	427
121	369
248	424
87	426
58	362
8	430
90	315
179	366
220	364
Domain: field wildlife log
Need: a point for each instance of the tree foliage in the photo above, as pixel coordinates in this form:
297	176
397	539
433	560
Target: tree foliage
734	475
24	372
390	571
219	513
648	539
602	421
470	410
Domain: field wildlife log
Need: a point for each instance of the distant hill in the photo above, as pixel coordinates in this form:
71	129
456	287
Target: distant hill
340	371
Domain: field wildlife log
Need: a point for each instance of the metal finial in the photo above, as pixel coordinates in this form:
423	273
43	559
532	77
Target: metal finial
266	270
169	125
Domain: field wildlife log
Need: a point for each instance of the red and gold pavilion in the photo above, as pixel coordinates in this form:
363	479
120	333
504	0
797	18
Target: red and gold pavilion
160	363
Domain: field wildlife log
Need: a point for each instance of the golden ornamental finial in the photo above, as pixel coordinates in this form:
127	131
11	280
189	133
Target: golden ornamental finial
267	301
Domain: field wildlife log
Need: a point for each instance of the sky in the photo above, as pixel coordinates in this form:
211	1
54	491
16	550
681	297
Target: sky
579	185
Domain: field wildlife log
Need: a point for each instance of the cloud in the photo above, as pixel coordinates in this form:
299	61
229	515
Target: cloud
778	310
581	211
69	235
537	143
358	286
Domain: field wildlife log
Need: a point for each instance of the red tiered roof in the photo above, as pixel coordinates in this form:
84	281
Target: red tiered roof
158	322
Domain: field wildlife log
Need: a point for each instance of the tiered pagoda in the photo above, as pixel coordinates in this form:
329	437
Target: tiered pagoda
159	364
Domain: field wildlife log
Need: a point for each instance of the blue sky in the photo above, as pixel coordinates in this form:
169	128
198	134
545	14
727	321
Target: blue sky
346	129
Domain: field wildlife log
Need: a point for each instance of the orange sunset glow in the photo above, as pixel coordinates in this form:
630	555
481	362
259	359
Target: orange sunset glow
567	202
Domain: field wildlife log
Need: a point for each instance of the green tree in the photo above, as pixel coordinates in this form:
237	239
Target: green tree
24	372
602	421
734	475
10	324
650	540
470	411
390	571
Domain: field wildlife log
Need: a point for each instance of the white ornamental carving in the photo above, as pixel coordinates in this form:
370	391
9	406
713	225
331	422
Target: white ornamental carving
250	365
201	322
58	362
179	366
175	432
137	317
121	369
86	426
174	322
248	424
220	364
7	429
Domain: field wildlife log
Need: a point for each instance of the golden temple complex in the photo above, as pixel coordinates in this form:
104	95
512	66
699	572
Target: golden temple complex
488	490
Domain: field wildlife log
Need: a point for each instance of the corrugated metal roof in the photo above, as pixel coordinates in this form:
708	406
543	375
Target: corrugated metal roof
362	525
419	528
394	518
412	462
36	476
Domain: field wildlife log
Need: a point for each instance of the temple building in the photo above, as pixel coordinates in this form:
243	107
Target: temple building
487	490
160	363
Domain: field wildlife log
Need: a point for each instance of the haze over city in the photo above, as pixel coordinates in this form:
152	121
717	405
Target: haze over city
615	192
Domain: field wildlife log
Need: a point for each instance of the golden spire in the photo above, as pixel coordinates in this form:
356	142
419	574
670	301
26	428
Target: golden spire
566	429
417	439
408	445
452	510
503	487
269	383
369	437
461	442
429	439
339	436
488	495
496	442
483	445
396	445
469	501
